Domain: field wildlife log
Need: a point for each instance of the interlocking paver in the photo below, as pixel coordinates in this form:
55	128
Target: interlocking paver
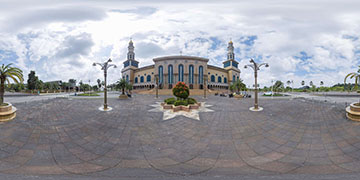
63	136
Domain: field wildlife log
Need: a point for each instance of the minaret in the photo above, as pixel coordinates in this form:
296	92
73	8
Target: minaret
230	54
130	64
231	65
131	53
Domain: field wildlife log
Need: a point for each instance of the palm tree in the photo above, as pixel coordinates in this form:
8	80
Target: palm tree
6	73
122	84
355	75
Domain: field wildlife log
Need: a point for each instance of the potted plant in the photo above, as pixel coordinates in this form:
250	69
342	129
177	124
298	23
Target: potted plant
353	111
7	111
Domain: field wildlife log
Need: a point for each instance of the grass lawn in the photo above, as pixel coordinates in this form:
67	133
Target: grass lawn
89	94
274	95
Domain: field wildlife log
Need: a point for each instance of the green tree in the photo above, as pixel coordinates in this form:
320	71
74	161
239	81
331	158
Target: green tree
121	84
355	75
99	83
278	86
6	73
32	79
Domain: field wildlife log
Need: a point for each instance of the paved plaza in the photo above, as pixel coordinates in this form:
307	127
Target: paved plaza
70	138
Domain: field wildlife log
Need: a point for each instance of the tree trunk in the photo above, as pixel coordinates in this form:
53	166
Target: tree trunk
123	90
2	90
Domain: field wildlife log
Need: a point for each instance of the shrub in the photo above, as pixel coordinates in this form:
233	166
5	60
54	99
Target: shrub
191	101
170	101
181	102
181	90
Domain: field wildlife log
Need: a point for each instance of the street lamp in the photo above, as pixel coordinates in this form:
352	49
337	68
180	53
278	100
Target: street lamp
157	86
255	66
105	66
205	86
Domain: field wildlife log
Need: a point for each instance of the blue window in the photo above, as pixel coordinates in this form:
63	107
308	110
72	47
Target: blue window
201	74
235	64
234	79
170	74
141	79
191	74
161	73
219	79
126	64
212	78
227	64
225	80
238	78
136	80
133	63
181	73
148	78
127	78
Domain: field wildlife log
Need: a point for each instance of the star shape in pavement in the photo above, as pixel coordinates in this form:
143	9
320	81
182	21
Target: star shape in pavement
169	113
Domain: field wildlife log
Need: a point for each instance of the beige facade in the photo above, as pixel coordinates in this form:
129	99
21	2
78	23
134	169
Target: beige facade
169	70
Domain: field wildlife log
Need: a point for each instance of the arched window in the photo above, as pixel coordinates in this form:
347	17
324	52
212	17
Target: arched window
238	78
136	80
212	78
233	78
161	73
219	79
170	74
127	78
225	80
191	74
201	74
141	79
148	78
181	72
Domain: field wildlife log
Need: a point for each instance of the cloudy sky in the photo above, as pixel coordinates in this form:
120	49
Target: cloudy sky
300	39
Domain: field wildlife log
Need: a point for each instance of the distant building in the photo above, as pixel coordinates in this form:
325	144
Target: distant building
189	69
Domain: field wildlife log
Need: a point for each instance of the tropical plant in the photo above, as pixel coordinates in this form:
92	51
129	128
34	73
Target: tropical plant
355	75
121	84
278	85
181	90
6	73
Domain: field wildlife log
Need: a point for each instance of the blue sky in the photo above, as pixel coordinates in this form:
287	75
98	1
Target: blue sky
300	39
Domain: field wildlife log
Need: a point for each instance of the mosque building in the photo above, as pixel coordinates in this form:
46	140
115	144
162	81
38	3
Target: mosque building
168	70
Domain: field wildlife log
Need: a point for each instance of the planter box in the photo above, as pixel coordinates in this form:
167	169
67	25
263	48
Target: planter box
181	107
7	113
353	112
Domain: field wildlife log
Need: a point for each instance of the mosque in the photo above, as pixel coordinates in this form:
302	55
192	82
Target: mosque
168	70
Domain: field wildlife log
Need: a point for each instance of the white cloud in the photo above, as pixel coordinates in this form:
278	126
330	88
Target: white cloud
60	40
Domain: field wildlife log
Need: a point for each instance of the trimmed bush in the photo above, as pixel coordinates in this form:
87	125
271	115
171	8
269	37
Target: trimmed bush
191	101
170	100
181	102
181	90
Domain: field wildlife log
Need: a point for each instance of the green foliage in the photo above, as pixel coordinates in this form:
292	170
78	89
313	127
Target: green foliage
170	100
191	101
355	75
181	102
181	90
238	86
122	84
6	73
32	80
88	94
278	86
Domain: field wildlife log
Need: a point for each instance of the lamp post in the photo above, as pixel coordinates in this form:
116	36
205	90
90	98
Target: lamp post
105	66
205	86
255	66
157	86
